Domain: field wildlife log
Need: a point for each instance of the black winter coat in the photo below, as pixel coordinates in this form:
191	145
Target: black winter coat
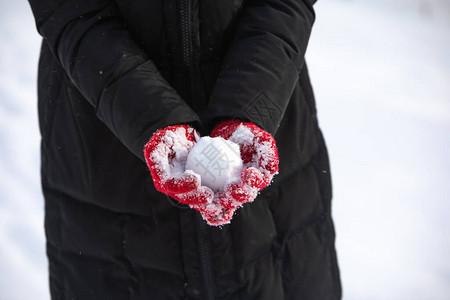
113	72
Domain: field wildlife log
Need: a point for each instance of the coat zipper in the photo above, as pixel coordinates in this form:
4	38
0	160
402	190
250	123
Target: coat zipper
186	32
202	230
205	258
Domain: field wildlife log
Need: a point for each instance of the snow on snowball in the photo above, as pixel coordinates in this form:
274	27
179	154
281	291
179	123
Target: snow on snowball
216	160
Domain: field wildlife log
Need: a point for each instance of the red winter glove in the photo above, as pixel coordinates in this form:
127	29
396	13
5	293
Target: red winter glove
260	157
166	155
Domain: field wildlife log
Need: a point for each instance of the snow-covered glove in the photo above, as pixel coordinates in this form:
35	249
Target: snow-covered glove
260	157
166	154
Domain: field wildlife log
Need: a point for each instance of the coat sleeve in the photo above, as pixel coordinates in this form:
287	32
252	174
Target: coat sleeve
262	64
109	69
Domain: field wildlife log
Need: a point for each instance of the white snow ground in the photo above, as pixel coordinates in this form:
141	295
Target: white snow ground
381	74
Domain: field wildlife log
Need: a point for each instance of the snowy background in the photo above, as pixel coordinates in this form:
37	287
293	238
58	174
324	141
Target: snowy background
381	74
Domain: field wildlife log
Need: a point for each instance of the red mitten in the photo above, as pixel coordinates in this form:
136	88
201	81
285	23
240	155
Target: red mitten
259	155
166	155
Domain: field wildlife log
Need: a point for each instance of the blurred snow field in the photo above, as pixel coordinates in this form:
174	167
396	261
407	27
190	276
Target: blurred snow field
381	75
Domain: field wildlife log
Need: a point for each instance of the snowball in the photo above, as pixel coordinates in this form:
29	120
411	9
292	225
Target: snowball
216	160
